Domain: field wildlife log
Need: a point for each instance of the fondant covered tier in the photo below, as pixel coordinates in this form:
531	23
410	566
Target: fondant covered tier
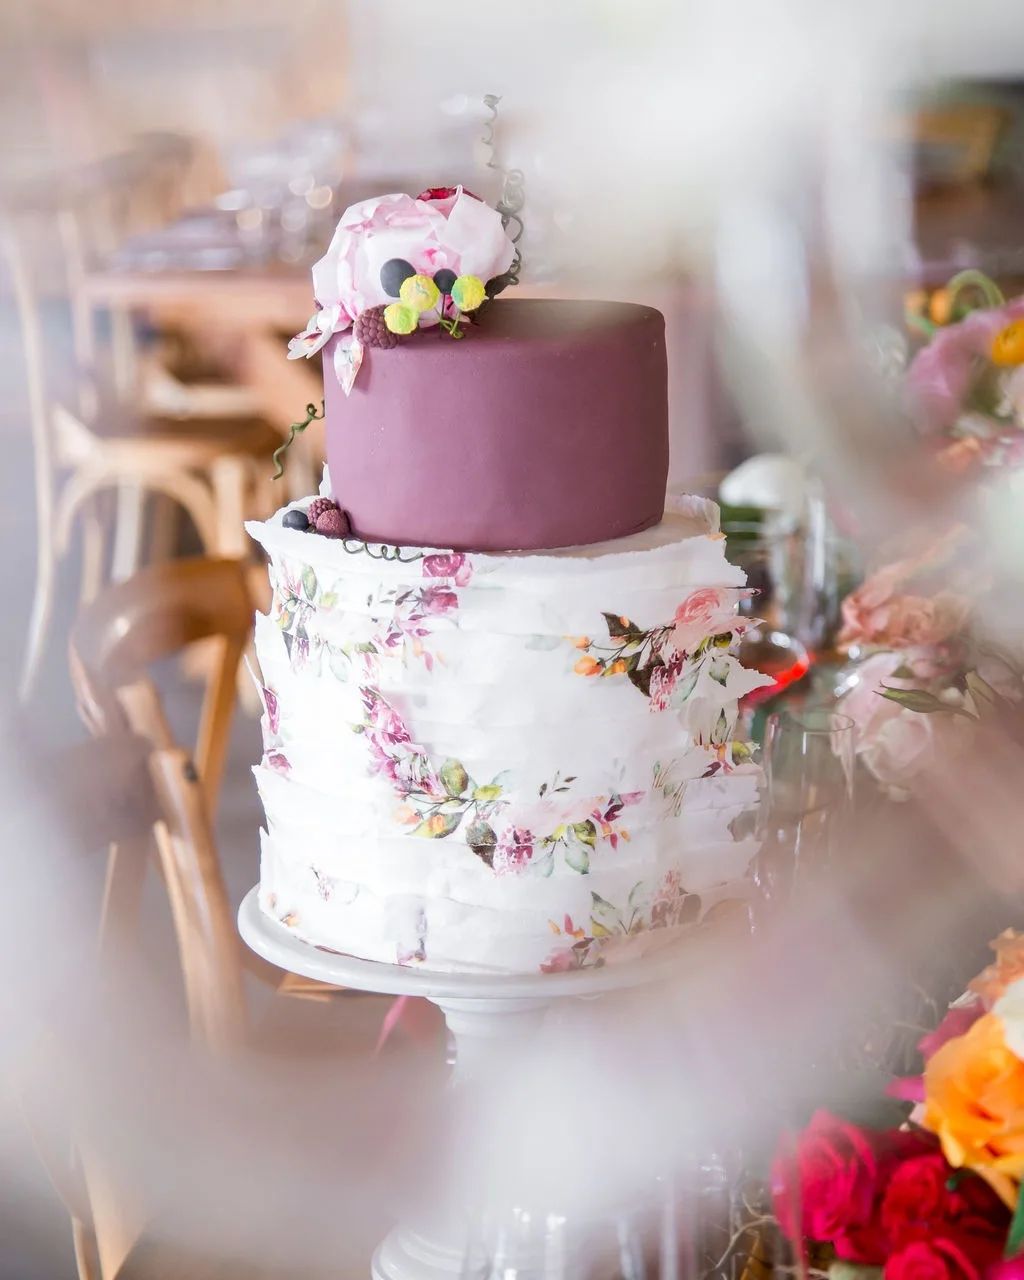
545	425
503	762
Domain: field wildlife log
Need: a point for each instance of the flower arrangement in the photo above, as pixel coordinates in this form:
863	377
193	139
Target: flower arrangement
397	264
965	386
925	677
939	1197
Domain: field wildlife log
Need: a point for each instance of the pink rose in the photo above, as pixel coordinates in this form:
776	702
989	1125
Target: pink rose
455	565
460	233
706	612
942	374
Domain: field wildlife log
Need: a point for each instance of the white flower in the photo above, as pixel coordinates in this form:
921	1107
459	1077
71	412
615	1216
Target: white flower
1009	1009
323	324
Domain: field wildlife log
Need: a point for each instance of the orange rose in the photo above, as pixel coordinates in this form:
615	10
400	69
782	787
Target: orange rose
587	666
616	668
1008	967
974	1103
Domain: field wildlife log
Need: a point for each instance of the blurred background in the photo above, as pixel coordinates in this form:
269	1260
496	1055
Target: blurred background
793	185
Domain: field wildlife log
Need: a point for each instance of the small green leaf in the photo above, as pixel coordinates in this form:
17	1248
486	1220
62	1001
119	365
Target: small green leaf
481	839
309	583
620	628
454	777
719	670
438	826
686	686
285	619
339	663
488	794
329	600
920	700
1015	1240
604	914
577	856
640	677
720	733
585	832
636	895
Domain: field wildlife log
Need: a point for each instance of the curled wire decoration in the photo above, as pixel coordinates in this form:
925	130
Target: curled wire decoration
296	428
381	551
513	194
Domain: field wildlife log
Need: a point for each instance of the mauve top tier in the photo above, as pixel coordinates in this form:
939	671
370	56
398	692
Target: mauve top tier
546	425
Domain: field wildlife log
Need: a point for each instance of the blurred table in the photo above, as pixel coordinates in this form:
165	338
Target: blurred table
254	307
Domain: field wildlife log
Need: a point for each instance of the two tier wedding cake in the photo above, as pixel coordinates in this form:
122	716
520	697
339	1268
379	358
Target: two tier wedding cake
498	676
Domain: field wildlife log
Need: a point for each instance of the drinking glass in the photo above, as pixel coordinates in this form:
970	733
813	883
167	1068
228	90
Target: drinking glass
808	797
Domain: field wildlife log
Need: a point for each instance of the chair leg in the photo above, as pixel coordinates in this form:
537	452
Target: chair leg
41	615
127	530
93	549
165	529
86	1251
230	479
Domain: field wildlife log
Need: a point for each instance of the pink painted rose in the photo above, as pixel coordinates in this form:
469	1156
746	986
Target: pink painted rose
454	565
896	744
439	600
942	374
513	852
458	232
883	612
706	612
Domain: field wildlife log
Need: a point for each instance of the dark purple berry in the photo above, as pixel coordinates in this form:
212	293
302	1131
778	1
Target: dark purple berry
371	329
444	279
333	524
296	519
393	274
317	507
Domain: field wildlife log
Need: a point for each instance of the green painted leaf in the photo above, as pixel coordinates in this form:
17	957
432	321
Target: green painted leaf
920	700
585	832
329	600
719	670
438	826
686	686
620	628
285	619
636	895
604	914
454	777
640	677
1015	1240
481	839
289	640
577	856
338	662
720	733
309	583
488	794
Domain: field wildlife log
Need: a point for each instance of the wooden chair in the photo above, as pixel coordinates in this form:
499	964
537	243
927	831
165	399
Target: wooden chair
161	611
94	444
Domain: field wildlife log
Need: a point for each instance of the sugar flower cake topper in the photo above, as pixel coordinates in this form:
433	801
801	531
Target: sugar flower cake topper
397	264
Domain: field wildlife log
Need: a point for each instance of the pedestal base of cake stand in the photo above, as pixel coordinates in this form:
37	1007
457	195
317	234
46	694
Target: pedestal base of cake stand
485	1014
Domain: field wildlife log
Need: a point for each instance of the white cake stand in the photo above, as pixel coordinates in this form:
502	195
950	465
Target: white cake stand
484	1013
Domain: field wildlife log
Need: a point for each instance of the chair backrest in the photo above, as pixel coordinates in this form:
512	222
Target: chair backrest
155	615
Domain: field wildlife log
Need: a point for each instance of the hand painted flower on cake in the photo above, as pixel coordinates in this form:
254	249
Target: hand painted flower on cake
455	233
452	565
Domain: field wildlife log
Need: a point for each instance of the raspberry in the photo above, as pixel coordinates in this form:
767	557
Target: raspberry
318	506
333	524
371	331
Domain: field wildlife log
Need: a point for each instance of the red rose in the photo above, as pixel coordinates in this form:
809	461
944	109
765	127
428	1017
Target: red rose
443	193
824	1185
919	1205
938	1259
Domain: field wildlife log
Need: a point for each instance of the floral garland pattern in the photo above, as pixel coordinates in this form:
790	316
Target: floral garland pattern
669	906
438	799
